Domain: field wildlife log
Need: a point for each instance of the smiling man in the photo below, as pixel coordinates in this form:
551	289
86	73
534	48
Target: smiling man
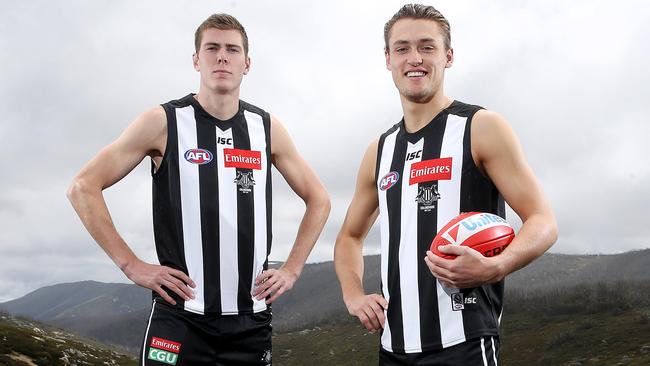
211	169
443	158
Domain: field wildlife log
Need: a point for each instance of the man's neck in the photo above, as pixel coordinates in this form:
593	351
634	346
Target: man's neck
418	115
220	106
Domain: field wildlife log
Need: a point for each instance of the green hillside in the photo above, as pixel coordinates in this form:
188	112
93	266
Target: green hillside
595	339
595	324
24	342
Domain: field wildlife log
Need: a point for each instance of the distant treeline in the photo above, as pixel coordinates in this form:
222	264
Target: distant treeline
586	298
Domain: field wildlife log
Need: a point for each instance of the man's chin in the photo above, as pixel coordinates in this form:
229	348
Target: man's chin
419	98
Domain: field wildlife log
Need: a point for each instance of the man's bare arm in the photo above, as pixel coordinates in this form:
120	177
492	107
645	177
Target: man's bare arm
303	181
348	252
498	153
146	136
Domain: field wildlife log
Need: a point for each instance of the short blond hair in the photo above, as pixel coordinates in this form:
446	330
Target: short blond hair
224	22
419	11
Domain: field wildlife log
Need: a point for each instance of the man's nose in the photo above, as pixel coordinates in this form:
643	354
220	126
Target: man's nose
415	58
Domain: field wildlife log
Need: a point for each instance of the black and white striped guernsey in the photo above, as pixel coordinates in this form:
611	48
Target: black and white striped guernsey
424	179
212	204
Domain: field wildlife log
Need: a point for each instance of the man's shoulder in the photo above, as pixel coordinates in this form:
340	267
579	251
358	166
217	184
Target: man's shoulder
180	102
463	109
391	130
253	108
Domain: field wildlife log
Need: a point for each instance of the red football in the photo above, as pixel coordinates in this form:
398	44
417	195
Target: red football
487	233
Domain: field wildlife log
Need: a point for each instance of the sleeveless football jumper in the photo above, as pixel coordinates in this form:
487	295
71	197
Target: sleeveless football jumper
424	179
212	204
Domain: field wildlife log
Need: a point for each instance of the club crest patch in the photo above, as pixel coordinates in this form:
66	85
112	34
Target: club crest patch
245	181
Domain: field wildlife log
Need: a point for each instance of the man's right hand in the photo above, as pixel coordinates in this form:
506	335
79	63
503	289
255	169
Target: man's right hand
153	276
369	309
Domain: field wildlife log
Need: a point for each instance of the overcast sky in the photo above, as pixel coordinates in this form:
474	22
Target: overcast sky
571	77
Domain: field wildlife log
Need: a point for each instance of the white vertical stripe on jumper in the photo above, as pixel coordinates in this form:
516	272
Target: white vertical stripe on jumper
384	168
190	206
228	239
408	254
257	137
452	330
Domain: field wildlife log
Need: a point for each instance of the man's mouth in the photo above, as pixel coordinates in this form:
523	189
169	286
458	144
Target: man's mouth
415	74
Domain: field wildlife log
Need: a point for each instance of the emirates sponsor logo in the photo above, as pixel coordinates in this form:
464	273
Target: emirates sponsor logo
430	170
247	159
165	344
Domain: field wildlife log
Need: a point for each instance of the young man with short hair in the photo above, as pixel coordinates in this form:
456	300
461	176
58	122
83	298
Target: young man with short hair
211	166
445	157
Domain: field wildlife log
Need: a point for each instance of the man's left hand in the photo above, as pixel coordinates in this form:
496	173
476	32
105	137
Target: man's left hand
468	270
273	282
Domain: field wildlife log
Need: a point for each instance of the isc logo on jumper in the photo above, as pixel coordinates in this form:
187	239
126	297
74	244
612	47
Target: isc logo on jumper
388	180
430	170
458	301
164	351
414	155
198	156
224	137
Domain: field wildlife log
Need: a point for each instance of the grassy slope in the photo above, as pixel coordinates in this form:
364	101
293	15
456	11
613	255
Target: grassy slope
47	346
607	338
339	344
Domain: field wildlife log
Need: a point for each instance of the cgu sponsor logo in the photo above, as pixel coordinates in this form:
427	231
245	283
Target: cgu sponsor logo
247	159
473	223
430	170
198	156
156	354
388	180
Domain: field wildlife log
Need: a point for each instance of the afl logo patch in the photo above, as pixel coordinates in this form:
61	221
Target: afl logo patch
388	180
198	156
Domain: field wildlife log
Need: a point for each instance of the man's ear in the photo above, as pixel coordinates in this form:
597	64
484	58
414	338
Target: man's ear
195	61
248	65
450	58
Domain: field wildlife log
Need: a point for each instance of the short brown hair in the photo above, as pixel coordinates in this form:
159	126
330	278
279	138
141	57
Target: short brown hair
220	21
419	11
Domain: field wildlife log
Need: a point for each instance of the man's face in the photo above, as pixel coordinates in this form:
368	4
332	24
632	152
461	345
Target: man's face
417	58
221	60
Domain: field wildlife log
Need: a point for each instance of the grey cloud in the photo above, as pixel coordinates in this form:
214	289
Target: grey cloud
76	73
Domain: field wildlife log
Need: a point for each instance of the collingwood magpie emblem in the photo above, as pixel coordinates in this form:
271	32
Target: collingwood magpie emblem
427	196
245	181
266	357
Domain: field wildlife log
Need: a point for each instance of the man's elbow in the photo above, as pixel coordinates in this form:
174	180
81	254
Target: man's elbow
320	200
78	187
552	231
326	203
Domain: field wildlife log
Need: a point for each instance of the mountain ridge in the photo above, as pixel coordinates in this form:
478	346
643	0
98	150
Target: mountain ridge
117	313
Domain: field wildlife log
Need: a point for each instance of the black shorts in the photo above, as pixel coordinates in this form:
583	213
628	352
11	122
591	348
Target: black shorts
178	337
482	351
